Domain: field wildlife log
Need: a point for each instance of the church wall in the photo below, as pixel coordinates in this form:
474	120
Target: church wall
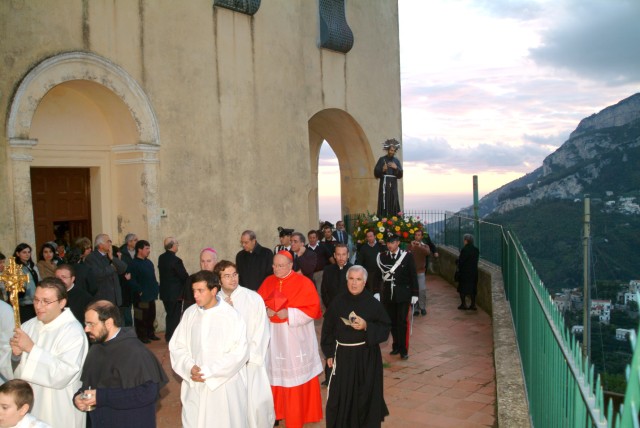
232	95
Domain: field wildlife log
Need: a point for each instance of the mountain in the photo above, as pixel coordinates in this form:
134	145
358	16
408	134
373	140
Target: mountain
545	207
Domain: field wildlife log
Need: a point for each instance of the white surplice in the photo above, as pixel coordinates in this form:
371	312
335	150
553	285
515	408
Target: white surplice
6	331
250	305
29	421
53	368
293	353
216	341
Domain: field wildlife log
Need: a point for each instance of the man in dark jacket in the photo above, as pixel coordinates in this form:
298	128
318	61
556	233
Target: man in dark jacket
367	257
173	276
468	273
334	277
334	282
400	290
106	267
77	298
144	284
121	378
127	254
254	261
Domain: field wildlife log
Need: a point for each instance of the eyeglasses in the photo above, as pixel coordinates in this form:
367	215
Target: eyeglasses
91	324
38	302
230	275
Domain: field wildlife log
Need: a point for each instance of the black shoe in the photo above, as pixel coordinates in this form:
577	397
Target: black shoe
145	340
472	308
423	312
462	307
404	356
394	352
416	313
154	337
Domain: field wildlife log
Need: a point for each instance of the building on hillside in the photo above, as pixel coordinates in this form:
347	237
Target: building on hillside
577	300
601	309
630	297
562	301
623	333
195	119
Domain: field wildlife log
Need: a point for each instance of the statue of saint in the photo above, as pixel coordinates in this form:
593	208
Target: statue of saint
389	171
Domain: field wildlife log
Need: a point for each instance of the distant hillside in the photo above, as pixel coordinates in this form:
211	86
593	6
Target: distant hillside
602	159
551	233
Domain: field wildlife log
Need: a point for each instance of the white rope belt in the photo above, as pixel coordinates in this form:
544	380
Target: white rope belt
335	358
384	191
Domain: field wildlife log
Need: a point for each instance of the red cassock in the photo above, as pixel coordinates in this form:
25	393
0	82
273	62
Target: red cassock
301	403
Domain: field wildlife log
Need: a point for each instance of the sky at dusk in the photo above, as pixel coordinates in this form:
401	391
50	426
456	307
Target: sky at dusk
492	87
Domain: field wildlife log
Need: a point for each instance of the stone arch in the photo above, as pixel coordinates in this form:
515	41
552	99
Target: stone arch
132	153
80	66
353	150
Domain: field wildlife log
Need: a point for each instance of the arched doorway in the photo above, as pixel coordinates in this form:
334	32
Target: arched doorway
350	144
79	110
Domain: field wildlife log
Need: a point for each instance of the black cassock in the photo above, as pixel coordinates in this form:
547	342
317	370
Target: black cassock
388	199
355	397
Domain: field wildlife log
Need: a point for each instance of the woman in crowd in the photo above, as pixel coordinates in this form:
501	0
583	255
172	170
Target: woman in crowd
46	263
22	254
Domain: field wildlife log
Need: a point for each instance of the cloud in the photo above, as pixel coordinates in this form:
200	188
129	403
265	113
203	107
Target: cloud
519	9
436	153
595	39
546	140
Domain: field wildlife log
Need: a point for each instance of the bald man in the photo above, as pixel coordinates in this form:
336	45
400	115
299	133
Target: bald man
173	276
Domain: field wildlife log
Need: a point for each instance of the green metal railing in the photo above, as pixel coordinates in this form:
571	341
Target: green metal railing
561	387
560	382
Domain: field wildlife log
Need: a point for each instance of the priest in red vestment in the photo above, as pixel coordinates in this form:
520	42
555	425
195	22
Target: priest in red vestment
292	304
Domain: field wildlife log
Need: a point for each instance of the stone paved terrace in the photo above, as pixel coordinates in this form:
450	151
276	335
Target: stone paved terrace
448	381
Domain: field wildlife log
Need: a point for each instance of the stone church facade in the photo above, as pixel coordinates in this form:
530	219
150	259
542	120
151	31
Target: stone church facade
196	119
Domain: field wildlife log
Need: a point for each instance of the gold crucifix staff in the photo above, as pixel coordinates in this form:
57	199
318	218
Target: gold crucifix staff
14	281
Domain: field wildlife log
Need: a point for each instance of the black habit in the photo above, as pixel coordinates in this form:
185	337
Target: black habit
127	378
355	395
388	199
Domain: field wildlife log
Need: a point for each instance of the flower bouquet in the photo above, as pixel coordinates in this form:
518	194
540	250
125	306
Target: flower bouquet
403	226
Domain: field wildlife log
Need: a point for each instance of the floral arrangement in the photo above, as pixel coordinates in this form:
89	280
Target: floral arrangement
403	226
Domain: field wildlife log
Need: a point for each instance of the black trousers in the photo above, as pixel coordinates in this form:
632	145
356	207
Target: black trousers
173	309
399	313
145	315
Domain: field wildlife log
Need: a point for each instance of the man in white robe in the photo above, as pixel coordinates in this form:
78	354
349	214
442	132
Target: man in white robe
51	349
209	351
251	307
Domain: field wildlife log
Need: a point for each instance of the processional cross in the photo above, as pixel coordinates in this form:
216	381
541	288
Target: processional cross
14	281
